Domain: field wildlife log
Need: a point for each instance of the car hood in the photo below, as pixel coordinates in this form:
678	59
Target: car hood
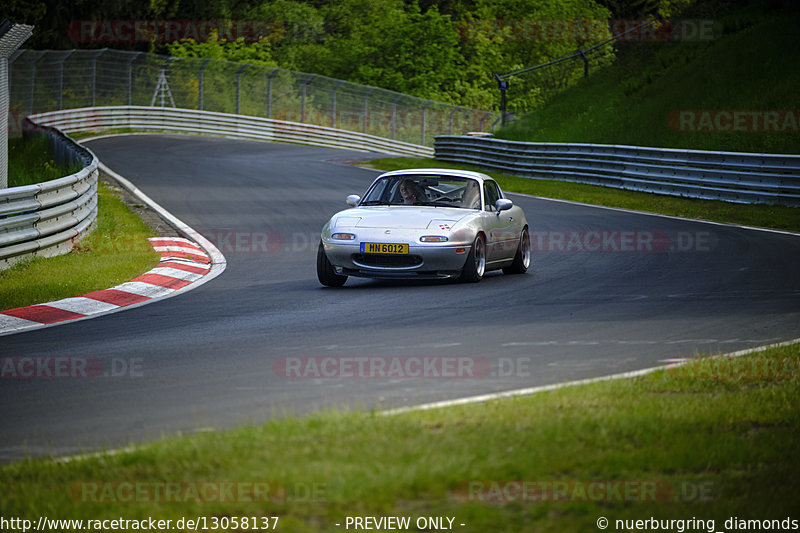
401	217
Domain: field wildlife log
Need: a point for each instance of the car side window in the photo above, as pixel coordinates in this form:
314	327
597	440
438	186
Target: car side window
491	195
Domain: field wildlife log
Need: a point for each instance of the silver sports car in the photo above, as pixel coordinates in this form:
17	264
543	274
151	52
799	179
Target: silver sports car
425	224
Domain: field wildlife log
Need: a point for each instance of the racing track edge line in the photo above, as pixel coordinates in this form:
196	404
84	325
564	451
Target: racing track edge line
473	399
556	386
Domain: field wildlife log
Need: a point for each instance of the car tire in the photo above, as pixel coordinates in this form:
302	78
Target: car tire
522	259
475	266
325	273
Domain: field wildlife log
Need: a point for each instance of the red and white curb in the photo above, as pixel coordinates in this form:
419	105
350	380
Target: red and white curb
186	263
182	263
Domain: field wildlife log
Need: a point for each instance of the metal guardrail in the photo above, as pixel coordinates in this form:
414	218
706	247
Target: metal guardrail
730	176
47	219
168	119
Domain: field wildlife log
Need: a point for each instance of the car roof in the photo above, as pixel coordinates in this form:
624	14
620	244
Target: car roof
440	171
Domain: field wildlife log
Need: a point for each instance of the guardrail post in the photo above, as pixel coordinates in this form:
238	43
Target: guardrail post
238	84
200	84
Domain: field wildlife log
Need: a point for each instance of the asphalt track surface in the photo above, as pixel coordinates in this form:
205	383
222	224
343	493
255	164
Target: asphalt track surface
212	358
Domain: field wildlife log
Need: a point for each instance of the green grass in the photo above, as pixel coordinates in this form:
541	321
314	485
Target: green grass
766	216
115	252
747	68
715	439
30	161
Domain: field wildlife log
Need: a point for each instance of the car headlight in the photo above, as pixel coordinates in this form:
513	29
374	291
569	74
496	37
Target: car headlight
343	236
433	238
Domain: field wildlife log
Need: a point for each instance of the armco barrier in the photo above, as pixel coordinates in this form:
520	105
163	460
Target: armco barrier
730	176
170	119
46	219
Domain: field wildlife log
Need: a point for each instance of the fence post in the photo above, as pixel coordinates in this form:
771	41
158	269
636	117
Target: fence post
94	73
269	92
422	133
333	103
366	110
61	78
303	98
200	84
238	84
394	113
450	129
36	59
129	96
11	38
487	115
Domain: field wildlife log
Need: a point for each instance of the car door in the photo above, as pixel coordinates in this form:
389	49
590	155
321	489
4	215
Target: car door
501	238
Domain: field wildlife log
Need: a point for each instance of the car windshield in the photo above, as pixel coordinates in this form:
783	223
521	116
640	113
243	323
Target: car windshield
437	191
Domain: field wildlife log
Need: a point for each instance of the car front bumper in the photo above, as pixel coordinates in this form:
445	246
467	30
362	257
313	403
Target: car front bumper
423	261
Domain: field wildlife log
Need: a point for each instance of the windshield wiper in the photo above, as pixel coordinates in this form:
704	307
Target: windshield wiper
434	204
375	202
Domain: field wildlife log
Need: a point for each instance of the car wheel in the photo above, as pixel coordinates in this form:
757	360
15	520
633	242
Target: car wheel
325	273
475	266
522	259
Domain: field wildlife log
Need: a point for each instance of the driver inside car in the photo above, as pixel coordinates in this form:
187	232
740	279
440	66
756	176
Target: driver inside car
411	192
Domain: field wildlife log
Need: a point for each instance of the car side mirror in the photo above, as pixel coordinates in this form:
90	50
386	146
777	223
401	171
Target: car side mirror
353	200
503	204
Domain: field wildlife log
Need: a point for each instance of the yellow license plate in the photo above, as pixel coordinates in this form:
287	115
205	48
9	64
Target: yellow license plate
383	248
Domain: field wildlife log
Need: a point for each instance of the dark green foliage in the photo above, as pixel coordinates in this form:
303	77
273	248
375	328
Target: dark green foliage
446	51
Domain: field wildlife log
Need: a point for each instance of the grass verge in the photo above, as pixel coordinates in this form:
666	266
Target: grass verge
30	161
712	440
765	216
637	101
115	252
